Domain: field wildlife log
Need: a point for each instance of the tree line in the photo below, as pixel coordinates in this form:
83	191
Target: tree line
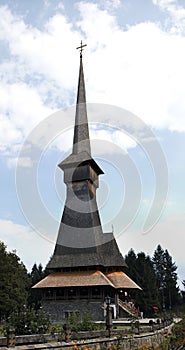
157	276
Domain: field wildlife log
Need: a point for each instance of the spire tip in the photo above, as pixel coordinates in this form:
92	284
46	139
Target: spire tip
81	48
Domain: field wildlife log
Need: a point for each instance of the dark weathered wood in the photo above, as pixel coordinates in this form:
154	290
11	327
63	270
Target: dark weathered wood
81	244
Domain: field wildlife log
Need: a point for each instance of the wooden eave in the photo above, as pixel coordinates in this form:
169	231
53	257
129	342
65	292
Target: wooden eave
116	280
74	279
121	280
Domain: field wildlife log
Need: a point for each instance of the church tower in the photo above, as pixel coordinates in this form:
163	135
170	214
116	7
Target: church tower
86	265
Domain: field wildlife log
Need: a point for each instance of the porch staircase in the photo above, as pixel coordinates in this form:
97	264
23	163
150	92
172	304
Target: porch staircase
127	308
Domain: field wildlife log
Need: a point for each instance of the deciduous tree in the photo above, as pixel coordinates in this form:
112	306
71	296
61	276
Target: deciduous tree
14	282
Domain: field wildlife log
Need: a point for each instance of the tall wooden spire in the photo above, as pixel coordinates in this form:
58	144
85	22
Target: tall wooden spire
81	242
81	140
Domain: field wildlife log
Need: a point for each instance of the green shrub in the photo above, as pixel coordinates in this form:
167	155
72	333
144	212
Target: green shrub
28	321
178	334
85	324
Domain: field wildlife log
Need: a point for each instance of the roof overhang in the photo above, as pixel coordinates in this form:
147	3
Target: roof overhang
116	280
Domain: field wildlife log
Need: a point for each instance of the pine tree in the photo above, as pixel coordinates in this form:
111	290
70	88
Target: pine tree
35	295
158	264
172	293
183	292
37	274
148	297
166	275
131	261
140	269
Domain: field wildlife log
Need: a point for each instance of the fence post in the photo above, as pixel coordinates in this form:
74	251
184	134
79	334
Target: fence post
67	332
10	336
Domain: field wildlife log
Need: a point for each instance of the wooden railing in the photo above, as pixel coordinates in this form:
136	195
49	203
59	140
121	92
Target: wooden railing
126	307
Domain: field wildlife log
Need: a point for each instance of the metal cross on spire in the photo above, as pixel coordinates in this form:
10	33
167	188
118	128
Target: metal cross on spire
81	48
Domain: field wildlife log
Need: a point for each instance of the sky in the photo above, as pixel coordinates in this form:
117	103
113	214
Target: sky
134	74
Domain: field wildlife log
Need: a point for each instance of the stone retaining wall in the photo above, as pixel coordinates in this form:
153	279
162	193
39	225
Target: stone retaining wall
44	338
116	343
48	341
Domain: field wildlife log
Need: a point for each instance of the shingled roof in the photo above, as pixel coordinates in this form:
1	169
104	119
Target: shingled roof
105	255
115	280
120	280
74	279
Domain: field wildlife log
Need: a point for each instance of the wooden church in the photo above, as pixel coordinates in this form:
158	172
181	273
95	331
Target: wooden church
86	265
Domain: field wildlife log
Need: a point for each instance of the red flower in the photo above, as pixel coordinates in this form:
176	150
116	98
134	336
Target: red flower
155	308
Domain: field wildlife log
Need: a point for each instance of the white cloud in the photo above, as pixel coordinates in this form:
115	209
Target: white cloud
92	17
176	20
21	109
24	162
42	52
140	69
112	4
8	134
19	237
111	138
163	234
